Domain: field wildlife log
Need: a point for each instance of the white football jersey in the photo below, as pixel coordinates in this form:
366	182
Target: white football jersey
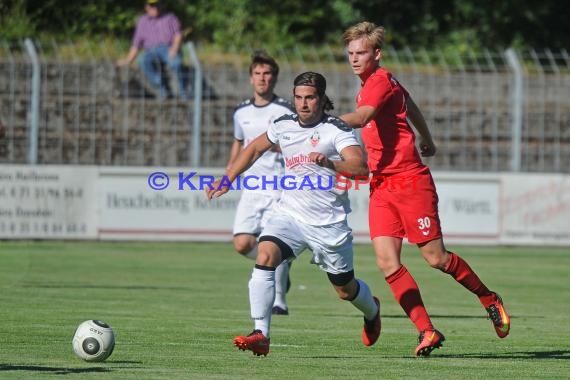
250	121
309	190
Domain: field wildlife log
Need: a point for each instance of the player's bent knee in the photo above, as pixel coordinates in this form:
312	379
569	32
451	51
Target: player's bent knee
340	279
436	260
286	251
268	259
344	284
435	254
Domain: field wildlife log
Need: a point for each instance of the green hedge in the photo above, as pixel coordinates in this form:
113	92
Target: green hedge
446	24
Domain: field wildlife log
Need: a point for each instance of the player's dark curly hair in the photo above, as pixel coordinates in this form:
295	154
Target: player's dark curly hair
317	81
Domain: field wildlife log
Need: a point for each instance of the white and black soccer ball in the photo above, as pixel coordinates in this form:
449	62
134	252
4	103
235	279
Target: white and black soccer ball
93	341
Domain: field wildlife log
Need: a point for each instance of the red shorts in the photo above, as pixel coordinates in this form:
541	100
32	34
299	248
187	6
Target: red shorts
404	205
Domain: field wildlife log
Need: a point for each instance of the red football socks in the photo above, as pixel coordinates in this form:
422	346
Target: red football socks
407	294
462	273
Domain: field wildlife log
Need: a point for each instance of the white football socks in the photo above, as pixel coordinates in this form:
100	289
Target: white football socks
261	297
364	301
281	276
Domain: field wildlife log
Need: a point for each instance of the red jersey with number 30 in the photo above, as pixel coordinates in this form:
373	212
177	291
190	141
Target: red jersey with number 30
389	139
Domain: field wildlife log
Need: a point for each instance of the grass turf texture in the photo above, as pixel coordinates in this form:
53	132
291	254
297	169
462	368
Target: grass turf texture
175	308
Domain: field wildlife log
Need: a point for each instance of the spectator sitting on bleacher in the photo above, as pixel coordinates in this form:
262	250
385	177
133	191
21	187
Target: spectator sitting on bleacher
160	35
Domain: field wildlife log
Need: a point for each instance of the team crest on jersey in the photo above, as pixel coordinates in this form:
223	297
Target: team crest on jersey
315	138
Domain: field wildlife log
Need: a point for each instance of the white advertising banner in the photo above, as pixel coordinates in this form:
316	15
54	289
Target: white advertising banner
536	209
81	202
163	204
469	208
48	202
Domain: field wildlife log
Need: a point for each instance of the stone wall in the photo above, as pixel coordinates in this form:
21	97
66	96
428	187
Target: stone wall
96	114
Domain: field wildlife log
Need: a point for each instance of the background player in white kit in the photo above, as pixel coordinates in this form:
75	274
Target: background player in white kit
251	118
316	147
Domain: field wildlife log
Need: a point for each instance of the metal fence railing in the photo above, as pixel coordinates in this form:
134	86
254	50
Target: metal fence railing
490	111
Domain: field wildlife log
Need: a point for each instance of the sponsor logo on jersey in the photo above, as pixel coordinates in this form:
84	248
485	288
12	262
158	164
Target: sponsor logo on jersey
291	162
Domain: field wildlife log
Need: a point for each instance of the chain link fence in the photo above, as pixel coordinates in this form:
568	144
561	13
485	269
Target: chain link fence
486	112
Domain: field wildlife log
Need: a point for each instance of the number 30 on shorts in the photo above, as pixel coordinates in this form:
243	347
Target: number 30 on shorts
424	223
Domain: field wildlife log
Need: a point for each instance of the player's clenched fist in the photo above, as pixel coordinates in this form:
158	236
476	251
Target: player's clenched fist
319	159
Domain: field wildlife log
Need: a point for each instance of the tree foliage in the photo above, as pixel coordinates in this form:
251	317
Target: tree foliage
286	23
477	24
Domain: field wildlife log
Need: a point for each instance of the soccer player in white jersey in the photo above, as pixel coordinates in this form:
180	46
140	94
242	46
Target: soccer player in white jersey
251	118
312	211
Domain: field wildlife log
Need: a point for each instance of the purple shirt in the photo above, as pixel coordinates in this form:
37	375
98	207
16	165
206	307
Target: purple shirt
156	31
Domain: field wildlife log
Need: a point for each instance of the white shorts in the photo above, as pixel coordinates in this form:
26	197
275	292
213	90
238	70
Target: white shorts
331	244
252	212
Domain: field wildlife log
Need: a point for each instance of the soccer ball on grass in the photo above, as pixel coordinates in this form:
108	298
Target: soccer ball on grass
93	341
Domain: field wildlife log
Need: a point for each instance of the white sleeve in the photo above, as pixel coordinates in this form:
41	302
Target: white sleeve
272	134
238	131
344	139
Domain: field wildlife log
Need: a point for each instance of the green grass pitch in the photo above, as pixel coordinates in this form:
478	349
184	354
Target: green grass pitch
175	308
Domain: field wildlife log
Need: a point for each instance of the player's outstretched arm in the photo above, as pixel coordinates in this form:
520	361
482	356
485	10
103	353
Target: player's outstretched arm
360	117
237	146
244	160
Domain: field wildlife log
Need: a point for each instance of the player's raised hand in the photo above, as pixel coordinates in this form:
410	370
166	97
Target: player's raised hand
216	189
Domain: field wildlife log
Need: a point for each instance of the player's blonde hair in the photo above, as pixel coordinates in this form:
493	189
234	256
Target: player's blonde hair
373	33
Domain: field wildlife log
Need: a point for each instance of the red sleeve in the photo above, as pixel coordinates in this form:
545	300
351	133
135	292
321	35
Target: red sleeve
378	89
376	92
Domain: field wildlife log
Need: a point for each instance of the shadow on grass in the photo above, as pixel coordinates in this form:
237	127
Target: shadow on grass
55	370
436	316
536	355
63	370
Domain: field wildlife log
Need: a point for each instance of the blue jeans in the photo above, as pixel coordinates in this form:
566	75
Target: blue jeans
150	63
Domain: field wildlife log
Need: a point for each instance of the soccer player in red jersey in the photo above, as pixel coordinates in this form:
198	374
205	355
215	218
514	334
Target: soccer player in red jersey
403	199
